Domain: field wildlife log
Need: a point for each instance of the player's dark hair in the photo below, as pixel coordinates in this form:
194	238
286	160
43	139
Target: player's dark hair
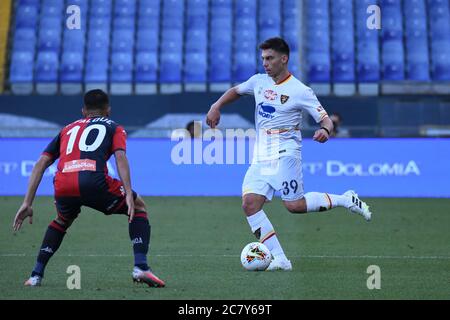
277	44
96	100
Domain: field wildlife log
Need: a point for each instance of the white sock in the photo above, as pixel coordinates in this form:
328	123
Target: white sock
263	230
316	201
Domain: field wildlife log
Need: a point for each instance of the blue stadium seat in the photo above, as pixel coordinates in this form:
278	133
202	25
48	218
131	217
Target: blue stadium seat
149	9
146	67
96	71
220	68
52	23
26	16
148	23
244	66
21	69
125	8
245	25
83	4
24	40
47	67
74	40
172	40
49	40
51	9
173	14
98	40
220	23
245	9
195	69
344	72
221	4
393	67
440	60
100	23
170	68
122	41
417	69
123	23
196	41
319	67
121	67
368	68
317	8
71	67
290	9
147	40
100	11
416	41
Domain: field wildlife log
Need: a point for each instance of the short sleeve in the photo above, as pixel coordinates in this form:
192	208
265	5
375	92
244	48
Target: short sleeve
119	139
311	104
247	87
52	149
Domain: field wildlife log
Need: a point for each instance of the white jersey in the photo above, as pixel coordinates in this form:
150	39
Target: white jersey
278	114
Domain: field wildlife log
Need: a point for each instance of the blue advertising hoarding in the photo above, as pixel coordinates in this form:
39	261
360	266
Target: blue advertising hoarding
161	167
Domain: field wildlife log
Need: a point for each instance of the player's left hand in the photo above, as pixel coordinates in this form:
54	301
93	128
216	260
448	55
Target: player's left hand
23	212
321	136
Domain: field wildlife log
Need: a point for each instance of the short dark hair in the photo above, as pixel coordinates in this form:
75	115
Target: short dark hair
277	44
96	100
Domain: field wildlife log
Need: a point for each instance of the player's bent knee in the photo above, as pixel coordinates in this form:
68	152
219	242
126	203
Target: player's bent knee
66	223
296	206
251	204
139	205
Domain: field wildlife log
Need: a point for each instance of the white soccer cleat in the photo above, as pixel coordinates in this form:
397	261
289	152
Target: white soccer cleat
147	277
358	206
280	264
34	281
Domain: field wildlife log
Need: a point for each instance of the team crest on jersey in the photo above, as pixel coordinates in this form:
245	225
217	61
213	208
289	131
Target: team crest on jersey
284	99
270	95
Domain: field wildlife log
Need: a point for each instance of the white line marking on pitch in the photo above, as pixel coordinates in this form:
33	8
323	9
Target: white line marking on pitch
235	256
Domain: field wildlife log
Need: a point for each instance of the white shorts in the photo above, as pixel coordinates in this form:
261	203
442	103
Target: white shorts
284	175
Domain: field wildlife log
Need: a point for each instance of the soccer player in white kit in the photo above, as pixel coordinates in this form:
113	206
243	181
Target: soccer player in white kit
277	165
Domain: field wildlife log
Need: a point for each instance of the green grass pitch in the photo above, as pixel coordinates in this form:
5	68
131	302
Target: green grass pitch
196	243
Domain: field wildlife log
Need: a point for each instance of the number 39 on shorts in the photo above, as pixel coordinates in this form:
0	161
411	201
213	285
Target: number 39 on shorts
290	186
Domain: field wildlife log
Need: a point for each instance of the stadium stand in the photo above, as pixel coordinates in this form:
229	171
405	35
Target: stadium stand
171	46
5	16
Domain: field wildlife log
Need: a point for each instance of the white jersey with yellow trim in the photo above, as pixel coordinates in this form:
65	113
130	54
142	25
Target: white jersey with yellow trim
278	114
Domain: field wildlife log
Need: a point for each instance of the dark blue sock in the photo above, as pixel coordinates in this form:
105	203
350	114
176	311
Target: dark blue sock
52	240
139	230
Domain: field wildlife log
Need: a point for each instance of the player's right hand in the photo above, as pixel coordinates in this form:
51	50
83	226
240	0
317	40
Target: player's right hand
213	117
23	212
130	203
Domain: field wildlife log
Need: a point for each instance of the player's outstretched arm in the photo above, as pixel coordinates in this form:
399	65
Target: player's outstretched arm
124	173
213	116
26	209
323	134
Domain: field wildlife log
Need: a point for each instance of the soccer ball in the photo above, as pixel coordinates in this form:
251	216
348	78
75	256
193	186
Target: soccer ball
255	257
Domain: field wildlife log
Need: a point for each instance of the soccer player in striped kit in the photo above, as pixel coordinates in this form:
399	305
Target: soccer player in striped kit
83	148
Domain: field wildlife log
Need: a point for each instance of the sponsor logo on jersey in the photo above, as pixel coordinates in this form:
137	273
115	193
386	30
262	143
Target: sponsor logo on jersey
80	165
284	99
270	95
266	111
